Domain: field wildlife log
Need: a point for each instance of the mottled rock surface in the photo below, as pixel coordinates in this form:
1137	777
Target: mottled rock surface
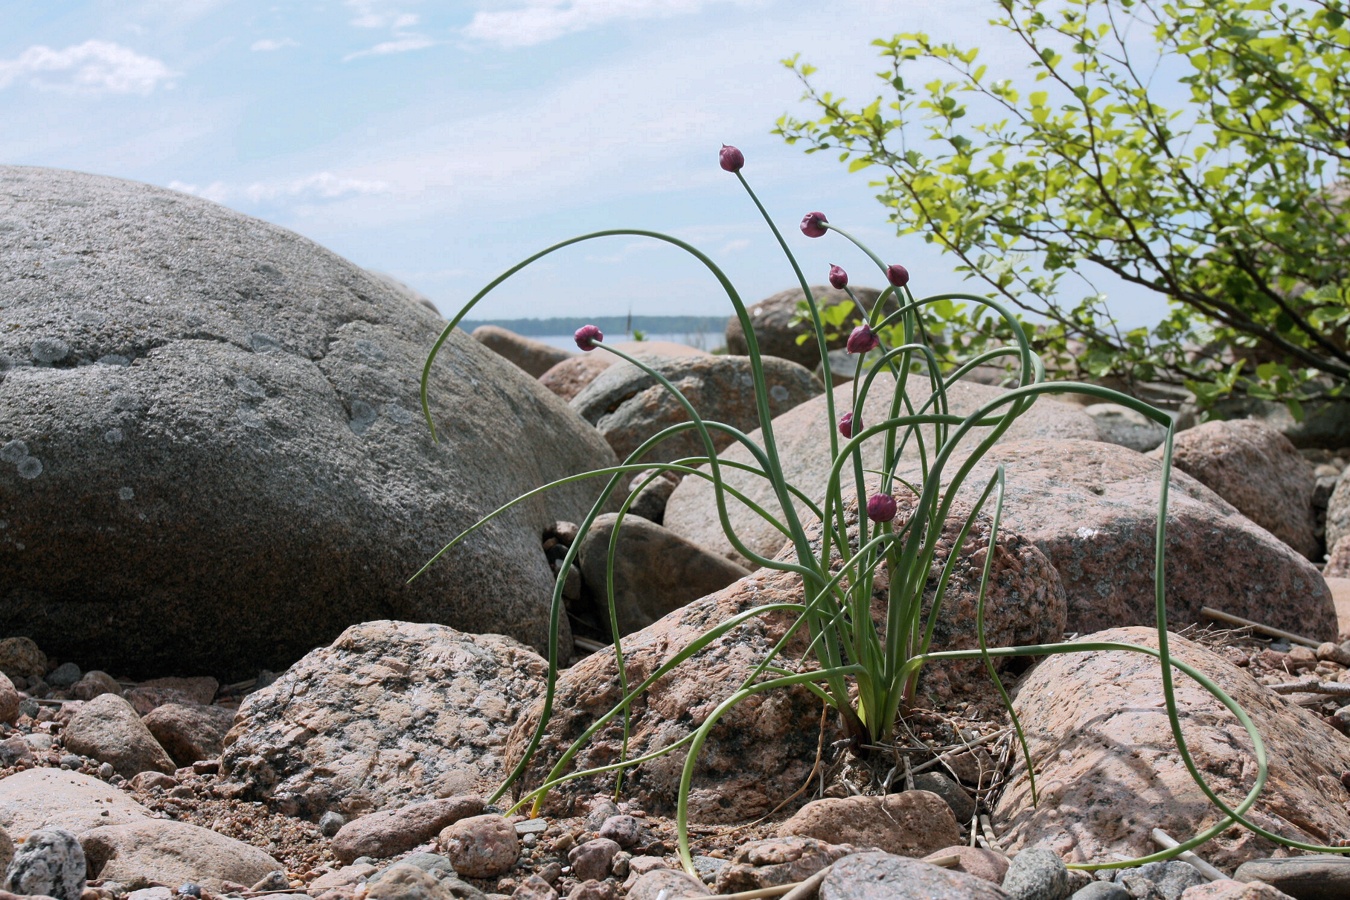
393	831
1109	771
1254	467
912	823
628	406
169	852
53	798
571	376
108	729
803	439
174	370
392	712
189	732
1092	508
875	875
49	863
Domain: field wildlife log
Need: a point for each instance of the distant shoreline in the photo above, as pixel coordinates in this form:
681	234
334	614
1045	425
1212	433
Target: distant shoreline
712	326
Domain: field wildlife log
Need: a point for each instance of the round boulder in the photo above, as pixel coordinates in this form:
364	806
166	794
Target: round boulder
1254	467
773	318
231	414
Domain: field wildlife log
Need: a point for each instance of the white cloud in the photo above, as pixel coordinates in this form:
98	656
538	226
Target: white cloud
376	14
269	44
320	186
94	67
402	44
539	21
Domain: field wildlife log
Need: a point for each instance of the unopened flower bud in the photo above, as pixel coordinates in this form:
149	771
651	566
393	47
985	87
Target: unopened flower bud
881	507
587	336
897	275
813	224
838	278
862	340
731	159
846	424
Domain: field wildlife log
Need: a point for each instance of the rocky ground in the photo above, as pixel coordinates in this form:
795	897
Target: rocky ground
960	751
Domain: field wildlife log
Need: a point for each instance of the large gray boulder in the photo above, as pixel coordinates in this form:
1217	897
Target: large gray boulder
628	405
212	457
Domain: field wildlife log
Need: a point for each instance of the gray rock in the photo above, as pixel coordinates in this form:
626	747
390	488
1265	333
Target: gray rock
1102	890
874	875
655	571
453	696
628	406
330	823
1037	874
107	729
411	294
1121	425
64	675
50	862
260	465
6	849
1165	880
962	804
1313	877
773	321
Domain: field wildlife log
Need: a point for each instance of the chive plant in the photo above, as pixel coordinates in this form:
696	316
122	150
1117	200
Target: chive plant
866	670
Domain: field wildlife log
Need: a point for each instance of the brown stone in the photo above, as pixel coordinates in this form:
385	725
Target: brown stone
1092	509
655	571
108	729
163	851
989	865
189	732
914	823
1256	468
480	846
774	861
391	832
1109	773
535	357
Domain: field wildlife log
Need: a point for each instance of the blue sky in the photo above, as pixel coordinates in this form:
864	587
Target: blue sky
442	141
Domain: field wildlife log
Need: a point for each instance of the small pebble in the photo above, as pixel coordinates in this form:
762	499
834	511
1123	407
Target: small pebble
330	823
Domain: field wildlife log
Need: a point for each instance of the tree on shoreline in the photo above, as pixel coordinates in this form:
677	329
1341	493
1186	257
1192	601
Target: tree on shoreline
1235	206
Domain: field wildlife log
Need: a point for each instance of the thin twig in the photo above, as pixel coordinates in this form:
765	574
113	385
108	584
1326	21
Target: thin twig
1257	626
1334	688
942	758
1163	839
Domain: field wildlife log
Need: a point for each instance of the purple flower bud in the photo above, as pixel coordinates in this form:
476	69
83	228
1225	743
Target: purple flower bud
846	424
897	275
862	340
587	336
731	159
813	224
881	507
838	277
